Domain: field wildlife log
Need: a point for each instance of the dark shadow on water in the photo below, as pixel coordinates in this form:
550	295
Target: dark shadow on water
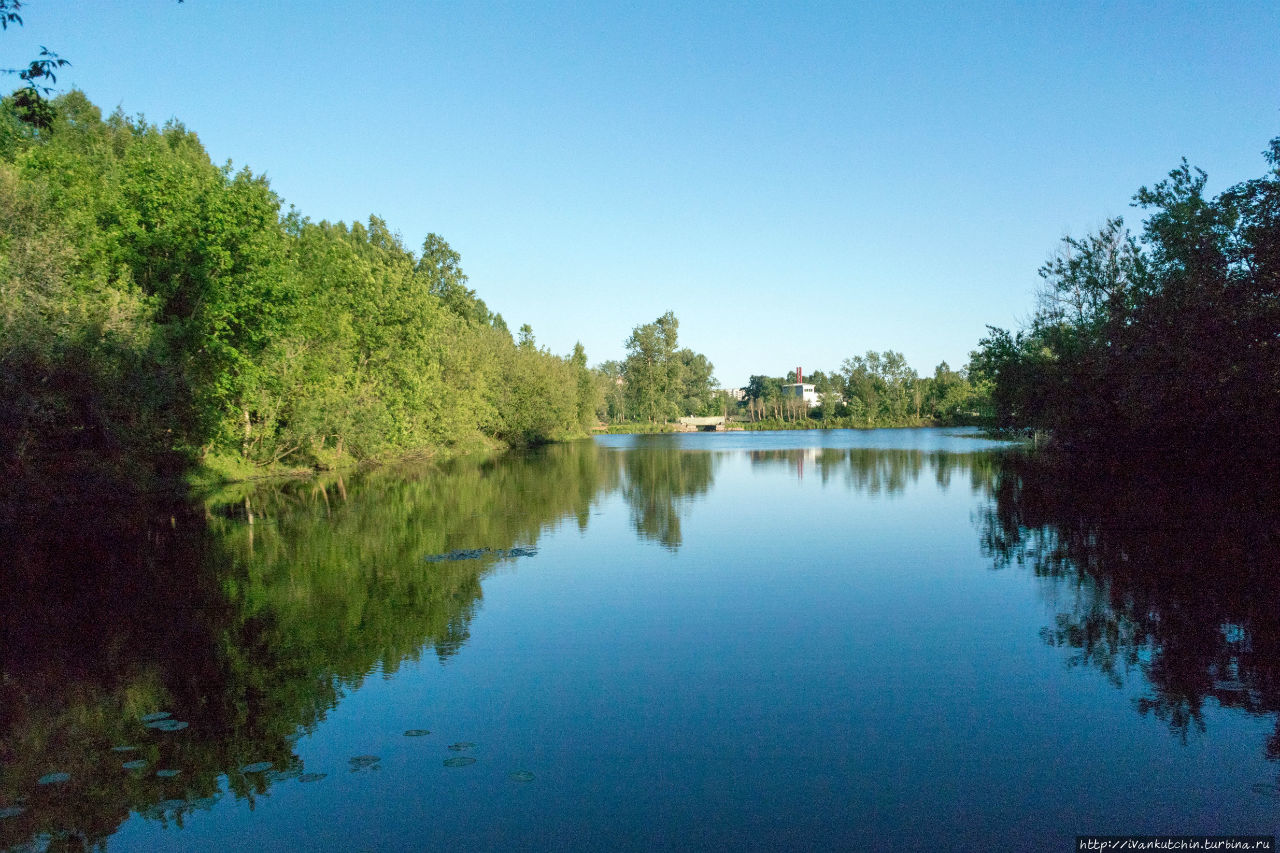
247	618
1167	571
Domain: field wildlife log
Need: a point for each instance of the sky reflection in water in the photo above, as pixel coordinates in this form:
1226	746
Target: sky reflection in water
744	640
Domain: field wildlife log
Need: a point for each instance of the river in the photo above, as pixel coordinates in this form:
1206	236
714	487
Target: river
887	639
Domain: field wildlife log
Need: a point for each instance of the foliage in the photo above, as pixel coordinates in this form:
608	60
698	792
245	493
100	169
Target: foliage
37	78
1169	337
590	394
157	309
871	390
694	384
1167	574
640	428
650	371
612	405
661	382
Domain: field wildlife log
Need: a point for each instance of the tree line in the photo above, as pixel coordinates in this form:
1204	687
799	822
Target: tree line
158	311
871	390
659	381
1169	337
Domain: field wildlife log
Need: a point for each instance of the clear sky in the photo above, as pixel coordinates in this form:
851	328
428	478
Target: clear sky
798	182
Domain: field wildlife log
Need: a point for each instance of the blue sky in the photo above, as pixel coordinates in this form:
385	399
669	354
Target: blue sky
798	182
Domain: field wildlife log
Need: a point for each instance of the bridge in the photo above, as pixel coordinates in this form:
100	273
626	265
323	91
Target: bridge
704	424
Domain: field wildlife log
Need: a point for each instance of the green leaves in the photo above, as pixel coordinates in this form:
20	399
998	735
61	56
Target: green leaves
182	294
1170	338
661	382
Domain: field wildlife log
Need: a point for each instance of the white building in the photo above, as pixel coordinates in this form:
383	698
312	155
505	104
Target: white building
802	390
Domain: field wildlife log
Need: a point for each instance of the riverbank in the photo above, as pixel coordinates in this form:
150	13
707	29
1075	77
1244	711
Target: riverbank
774	424
839	423
218	470
636	429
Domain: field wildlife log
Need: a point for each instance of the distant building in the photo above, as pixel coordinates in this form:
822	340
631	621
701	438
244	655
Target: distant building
803	391
738	394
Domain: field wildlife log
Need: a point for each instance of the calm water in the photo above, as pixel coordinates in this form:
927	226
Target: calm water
771	640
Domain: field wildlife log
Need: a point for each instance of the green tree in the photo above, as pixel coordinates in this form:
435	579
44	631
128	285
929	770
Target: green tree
157	310
440	265
864	382
1165	338
696	383
764	394
612	407
651	371
590	396
949	395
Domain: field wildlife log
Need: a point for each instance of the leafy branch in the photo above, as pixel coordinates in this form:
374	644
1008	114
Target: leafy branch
41	69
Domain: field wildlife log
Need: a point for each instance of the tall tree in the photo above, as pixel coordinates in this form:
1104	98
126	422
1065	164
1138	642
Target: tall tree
864	383
764	395
651	370
589	394
440	267
696	383
612	398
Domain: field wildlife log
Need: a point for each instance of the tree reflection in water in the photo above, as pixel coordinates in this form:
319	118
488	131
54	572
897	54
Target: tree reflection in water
875	472
251	616
1168	573
659	485
248	617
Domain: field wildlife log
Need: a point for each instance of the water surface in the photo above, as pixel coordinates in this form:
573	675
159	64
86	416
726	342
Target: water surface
858	639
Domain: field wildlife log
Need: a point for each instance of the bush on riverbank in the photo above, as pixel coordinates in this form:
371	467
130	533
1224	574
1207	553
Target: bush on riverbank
638	428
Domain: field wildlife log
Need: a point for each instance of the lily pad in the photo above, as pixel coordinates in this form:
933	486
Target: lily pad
459	761
11	811
461	745
312	777
363	762
124	749
168	725
416	732
167	774
158	715
256	767
134	765
54	778
520	776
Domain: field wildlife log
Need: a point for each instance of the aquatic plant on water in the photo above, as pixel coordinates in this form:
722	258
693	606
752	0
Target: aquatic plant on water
459	761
